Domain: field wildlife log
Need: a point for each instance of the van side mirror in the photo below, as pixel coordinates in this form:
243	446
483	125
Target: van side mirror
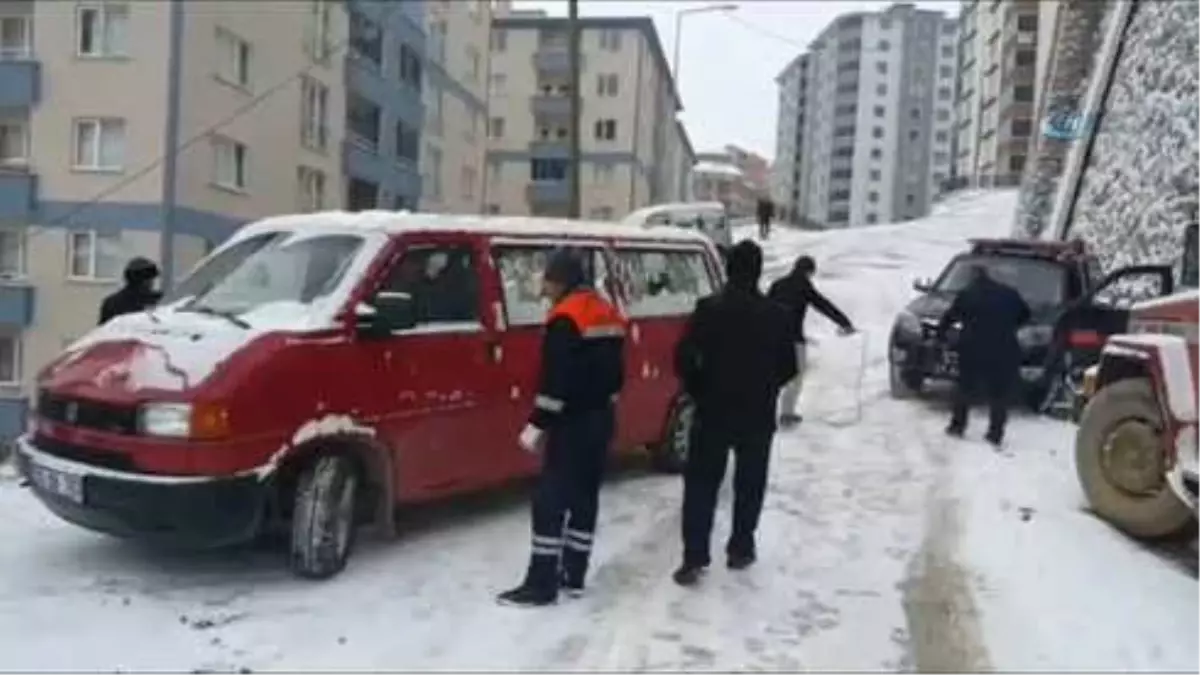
922	285
388	312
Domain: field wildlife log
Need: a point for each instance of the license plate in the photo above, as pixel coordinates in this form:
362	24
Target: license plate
68	486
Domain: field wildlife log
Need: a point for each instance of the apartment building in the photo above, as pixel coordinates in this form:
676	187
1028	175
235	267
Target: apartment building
455	128
628	123
997	88
877	117
789	139
93	93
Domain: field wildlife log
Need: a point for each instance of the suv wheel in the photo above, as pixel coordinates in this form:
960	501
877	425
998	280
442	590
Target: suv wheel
323	519
902	383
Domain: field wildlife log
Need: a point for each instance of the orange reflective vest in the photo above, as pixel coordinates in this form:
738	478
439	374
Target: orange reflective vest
593	316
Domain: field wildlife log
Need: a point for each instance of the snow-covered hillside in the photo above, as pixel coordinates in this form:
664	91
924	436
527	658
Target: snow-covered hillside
883	546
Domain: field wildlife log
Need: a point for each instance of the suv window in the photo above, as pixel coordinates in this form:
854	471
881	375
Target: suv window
442	282
1041	283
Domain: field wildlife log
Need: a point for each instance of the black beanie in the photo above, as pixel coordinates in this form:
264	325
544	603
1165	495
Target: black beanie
744	264
565	267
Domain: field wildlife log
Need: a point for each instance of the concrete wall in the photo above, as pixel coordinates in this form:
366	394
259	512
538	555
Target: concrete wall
1139	188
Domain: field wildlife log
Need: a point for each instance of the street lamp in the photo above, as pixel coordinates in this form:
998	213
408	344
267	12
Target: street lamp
679	25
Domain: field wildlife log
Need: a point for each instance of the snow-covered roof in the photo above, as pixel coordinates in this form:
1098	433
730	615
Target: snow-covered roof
400	222
638	217
718	168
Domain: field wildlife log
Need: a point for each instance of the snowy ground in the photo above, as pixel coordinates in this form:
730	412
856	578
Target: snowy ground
883	545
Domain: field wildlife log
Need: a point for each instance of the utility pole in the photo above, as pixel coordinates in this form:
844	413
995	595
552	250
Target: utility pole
573	167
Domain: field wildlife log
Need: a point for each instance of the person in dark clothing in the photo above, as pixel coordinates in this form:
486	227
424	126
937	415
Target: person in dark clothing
989	356
734	355
571	427
796	292
766	211
136	295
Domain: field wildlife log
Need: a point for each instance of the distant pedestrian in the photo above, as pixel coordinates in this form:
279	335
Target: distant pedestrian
733	357
796	292
766	211
571	427
989	356
136	295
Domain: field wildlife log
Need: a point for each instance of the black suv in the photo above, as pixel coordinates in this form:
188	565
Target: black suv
1052	277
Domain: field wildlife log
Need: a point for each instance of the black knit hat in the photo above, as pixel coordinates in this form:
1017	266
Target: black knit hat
744	264
565	267
140	270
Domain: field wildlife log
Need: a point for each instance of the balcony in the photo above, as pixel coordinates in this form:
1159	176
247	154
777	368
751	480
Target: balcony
20	83
18	196
550	106
548	192
550	149
554	61
16	304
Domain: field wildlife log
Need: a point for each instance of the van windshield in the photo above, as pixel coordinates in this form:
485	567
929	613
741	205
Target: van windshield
270	268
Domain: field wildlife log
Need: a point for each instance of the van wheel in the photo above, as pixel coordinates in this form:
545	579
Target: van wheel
670	455
1119	459
323	520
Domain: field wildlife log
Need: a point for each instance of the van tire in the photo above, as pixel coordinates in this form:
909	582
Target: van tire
324	520
670	454
1158	515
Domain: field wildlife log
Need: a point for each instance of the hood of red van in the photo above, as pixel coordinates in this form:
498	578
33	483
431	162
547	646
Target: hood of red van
136	354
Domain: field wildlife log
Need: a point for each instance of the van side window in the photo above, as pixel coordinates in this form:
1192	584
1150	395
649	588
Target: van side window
442	281
662	283
521	270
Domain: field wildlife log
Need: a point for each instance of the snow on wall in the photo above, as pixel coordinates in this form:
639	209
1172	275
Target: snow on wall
1139	188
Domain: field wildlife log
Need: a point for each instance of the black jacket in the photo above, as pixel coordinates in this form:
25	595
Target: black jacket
583	362
128	300
796	293
990	314
735	354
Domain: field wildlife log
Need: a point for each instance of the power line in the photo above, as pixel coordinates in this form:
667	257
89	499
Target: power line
763	31
245	108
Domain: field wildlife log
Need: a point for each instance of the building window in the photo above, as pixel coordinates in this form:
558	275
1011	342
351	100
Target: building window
1026	57
885	23
940	158
12	253
499	41
884	45
410	67
475	62
493	209
99	144
948	52
881	89
913	134
944	93
16	37
14	142
606	85
311	183
229	164
361	195
437	41
881	67
433	109
875	175
93	255
496	127
943	115
433	178
366	39
1016	164
1027	22
234	55
407	141
362	121
877	132
600	213
1022	127
467	178
499	82
317	45
909	200
606	130
880	111
945	71
872	218
547	170
314	114
941	137
610	39
1023	93
876	153
914	113
102	29
873	197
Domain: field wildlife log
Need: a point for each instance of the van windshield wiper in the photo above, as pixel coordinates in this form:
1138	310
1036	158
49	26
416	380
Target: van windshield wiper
228	316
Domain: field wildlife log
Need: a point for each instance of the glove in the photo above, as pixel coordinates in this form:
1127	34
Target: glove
531	439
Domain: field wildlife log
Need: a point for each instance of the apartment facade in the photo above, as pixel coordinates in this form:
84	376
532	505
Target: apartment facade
631	144
997	89
872	140
91	95
789	139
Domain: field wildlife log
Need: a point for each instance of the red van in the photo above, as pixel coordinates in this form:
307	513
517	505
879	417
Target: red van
323	369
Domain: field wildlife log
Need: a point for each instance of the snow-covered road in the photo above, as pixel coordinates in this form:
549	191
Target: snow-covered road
883	545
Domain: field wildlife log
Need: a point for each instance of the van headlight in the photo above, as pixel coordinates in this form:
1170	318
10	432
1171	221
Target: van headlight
1035	336
170	420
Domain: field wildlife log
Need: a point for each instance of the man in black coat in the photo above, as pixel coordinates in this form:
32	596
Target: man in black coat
734	355
796	292
136	295
989	356
765	212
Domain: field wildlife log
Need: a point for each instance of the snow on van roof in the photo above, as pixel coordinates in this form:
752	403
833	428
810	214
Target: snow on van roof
639	216
400	222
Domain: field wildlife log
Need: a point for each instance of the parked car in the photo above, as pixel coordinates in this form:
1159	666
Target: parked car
317	371
1136	445
709	218
1054	278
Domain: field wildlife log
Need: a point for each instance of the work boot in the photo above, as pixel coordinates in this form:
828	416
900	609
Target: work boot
569	587
740	561
955	431
996	438
527	596
688	574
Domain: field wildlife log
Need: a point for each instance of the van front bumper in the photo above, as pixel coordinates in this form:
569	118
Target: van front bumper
186	511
